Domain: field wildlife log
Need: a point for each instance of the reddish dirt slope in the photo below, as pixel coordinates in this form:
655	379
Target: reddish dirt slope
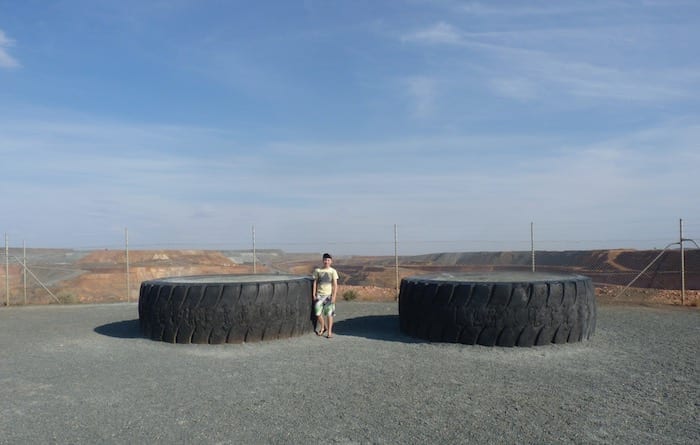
101	275
611	271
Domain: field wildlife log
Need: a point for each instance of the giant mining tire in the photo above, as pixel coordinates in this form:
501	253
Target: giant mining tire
225	308
498	308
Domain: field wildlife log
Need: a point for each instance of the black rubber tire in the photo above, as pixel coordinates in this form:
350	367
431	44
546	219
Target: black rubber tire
498	308
218	309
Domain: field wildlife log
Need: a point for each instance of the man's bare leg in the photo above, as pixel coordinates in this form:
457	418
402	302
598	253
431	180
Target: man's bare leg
330	327
321	323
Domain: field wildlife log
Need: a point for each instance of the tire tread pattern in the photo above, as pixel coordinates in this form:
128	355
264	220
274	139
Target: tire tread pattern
225	312
498	314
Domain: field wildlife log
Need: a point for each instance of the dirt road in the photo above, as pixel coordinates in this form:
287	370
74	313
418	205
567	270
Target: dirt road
83	374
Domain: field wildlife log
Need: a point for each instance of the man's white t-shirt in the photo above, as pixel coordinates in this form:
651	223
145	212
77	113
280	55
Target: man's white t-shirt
324	280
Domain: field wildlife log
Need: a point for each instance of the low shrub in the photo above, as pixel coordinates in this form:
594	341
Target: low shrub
67	299
349	295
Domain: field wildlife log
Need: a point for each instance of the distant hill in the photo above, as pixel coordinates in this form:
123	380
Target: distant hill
618	266
100	275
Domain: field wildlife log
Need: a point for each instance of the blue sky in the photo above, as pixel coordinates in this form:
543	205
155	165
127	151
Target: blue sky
324	123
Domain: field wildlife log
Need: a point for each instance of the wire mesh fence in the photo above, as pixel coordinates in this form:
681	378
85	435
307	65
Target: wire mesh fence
114	271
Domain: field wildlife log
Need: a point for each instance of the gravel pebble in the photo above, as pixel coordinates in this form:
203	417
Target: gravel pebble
83	374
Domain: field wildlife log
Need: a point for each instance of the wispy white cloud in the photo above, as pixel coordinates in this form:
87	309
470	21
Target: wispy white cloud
462	185
587	80
6	60
439	33
533	8
319	136
517	71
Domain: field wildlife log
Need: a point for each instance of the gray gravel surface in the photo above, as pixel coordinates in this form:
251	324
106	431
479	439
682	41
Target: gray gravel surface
83	374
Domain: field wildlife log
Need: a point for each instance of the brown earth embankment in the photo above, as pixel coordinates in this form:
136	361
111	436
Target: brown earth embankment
68	276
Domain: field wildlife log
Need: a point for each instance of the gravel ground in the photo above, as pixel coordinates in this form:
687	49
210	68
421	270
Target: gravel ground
83	374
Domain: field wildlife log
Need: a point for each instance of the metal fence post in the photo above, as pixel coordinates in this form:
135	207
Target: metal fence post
682	264
128	281
255	263
24	269
396	259
7	272
532	244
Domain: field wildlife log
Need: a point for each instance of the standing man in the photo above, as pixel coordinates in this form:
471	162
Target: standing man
324	291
